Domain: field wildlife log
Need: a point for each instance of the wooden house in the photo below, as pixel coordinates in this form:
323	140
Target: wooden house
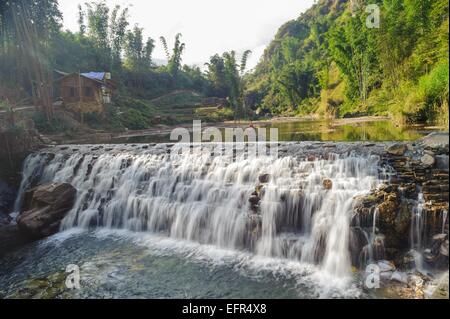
85	92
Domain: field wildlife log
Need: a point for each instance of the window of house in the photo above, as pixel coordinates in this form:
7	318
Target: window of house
72	92
88	91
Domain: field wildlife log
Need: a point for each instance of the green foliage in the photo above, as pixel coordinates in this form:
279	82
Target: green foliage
138	56
227	78
174	59
56	125
397	69
212	114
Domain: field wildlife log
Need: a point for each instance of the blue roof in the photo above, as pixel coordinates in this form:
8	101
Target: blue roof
94	75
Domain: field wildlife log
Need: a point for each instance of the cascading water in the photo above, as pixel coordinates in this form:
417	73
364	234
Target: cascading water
417	224
204	198
444	219
417	231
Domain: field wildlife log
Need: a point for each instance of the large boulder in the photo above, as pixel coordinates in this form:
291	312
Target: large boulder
435	140
49	205
6	202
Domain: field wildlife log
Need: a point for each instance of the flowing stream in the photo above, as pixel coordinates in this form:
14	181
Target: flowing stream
202	198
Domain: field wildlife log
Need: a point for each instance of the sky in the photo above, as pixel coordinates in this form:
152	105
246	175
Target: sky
207	26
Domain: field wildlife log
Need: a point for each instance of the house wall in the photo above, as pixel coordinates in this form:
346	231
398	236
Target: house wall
70	90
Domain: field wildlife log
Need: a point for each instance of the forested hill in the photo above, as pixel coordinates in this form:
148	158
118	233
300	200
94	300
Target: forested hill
331	63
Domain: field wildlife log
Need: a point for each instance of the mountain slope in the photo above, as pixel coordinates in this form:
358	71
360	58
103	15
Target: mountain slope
330	62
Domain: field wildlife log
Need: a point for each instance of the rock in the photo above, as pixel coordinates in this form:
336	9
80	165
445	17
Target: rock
385	188
415	281
6	200
439	237
442	162
388	210
327	183
399	277
429	256
386	265
408	261
49	205
435	140
444	249
386	275
254	200
397	149
428	160
264	178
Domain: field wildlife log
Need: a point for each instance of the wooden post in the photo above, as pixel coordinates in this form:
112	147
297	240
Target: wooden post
80	98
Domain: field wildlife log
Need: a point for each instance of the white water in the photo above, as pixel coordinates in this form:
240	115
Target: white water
204	199
444	219
417	224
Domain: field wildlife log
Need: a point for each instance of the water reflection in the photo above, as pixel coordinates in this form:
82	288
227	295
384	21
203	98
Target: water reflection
314	130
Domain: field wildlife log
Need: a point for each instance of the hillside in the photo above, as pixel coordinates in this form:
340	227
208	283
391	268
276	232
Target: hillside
329	62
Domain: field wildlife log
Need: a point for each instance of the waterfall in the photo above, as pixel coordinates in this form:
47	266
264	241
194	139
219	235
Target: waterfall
417	224
205	198
444	219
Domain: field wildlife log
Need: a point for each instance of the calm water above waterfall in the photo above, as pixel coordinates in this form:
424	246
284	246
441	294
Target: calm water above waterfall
319	130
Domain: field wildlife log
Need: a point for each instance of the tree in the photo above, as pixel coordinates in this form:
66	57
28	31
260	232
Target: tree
26	31
215	73
174	59
138	56
107	30
353	48
234	73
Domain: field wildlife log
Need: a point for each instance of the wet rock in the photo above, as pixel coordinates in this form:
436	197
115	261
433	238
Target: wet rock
386	265
397	149
259	189
408	261
444	249
6	202
49	205
385	188
427	160
365	201
327	183
442	162
254	199
264	178
429	256
388	210
399	277
439	238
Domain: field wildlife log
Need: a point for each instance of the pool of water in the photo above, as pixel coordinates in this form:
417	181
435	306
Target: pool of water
313	130
120	264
